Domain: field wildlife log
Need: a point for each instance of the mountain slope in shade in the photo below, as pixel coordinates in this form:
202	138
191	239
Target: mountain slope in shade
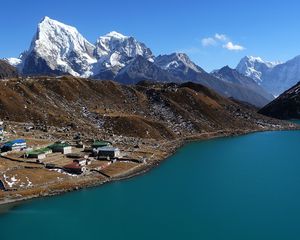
140	69
286	106
7	71
259	96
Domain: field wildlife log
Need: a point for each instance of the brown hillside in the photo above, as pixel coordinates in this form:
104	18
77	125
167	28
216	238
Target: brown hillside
7	71
144	110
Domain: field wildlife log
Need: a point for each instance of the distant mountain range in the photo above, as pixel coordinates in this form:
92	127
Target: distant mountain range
276	77
59	49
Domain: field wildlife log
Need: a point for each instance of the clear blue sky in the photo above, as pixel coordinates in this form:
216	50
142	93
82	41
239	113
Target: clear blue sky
269	29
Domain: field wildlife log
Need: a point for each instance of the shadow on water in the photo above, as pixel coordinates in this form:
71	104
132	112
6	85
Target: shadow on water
6	208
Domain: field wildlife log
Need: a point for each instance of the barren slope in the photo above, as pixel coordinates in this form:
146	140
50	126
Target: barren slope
145	110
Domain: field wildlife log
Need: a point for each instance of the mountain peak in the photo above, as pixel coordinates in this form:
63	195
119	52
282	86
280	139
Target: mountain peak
47	19
259	96
253	59
259	60
227	73
176	61
254	67
58	49
182	57
114	51
47	24
116	35
226	68
275	77
179	54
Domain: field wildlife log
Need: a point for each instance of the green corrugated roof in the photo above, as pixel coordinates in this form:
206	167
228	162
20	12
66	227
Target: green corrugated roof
35	152
58	145
39	151
99	143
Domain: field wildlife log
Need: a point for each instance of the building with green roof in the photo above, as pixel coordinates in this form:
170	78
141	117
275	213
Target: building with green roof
62	147
38	153
100	143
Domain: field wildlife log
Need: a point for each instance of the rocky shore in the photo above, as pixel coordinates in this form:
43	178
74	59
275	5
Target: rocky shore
96	180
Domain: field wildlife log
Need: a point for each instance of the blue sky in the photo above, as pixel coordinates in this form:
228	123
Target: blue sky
269	29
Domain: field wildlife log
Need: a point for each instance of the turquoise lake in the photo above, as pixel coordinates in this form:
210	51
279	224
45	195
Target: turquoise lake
239	188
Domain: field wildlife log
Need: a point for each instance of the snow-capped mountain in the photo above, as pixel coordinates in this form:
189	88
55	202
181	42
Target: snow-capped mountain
15	62
232	75
114	51
178	64
282	76
257	95
275	78
254	67
58	49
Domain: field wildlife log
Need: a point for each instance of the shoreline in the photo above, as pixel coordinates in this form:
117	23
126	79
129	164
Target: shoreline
144	168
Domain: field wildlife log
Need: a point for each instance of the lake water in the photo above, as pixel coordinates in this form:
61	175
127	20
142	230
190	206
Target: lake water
240	188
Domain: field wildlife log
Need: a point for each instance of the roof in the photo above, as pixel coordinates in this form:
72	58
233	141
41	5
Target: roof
59	145
39	151
79	160
108	149
99	143
73	165
35	153
17	141
12	142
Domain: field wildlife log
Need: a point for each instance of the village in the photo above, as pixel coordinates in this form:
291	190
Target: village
37	166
